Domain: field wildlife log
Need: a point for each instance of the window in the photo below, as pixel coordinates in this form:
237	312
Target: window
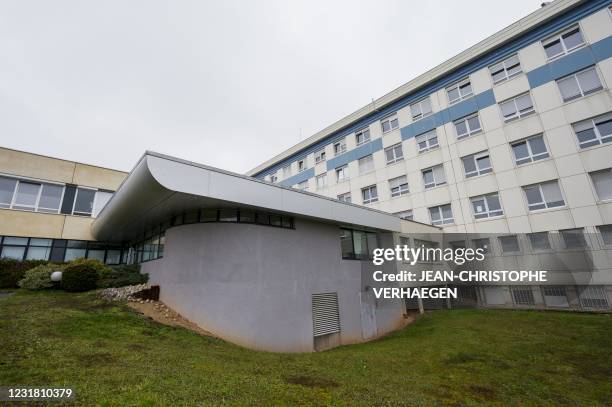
369	194
340	147
517	107
83	202
357	245
509	244
286	172
26	196
529	150
102	198
345	197
389	123
427	141
486	206
366	164
342	173
407	215
319	156
563	43
477	164
13	247
302	186
441	215
362	136
593	297
522	295
301	165
594	131
420	109
273	178
482	244
321	181
467	126
579	84
544	195
602	180
394	153
459	91
40	249
506	69
30	196
606	234
7	189
573	238
398	186
539	241
432	177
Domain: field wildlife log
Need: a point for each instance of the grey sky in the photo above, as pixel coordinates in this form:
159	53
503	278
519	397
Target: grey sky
225	83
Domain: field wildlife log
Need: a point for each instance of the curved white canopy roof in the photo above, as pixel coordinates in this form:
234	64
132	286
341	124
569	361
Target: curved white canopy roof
160	186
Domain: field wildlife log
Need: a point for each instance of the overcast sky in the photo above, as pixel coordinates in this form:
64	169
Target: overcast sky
225	83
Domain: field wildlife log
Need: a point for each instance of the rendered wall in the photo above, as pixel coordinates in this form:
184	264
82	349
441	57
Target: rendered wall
252	285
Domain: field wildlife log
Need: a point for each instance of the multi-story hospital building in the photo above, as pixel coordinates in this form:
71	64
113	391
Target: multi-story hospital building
507	146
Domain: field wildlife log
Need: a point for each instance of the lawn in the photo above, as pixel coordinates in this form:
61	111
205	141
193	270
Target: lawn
112	356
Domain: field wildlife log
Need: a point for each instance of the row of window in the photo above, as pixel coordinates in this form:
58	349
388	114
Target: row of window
36	196
571	87
357	244
59	250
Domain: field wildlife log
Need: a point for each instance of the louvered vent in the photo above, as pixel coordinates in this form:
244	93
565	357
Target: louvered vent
325	315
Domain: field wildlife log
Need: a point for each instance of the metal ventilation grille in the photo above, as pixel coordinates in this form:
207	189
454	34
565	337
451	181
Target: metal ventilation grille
325	315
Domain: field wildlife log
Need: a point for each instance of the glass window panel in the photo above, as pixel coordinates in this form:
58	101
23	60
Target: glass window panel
50	198
604	127
606	234
533	195
360	244
16	240
573	39
96	255
435	214
41	242
83	205
539	241
589	80
113	257
537	145
474	123
102	198
553	48
602	180
520	150
228	215
26	196
426	107
13	252
439	174
509	244
346	244
573	238
524	103
72	254
428	177
7	188
552	194
569	88
469	164
508	108
38	253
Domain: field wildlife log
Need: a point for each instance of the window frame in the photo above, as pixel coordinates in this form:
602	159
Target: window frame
319	156
443	220
321	177
479	171
427	137
93	202
371	198
419	103
402	188
599	198
342	144
576	79
390	119
543	198
505	69
409	214
600	140
532	157
342	197
466	120
365	136
458	86
517	114
36	207
488	213
344	170
393	149
435	183
301	164
361	172
559	36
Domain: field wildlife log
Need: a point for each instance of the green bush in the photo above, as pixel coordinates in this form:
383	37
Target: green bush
81	275
11	271
122	275
39	277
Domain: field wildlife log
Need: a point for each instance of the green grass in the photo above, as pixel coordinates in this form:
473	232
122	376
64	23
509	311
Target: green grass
112	356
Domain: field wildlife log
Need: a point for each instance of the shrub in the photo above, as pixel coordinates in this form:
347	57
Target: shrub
80	275
11	271
39	277
122	275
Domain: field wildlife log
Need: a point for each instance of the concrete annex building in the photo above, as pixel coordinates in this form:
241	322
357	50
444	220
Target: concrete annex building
510	141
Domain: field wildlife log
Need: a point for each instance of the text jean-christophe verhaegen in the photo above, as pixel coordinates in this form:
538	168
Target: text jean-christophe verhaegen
458	256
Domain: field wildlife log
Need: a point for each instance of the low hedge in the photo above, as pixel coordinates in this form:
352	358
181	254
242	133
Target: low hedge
82	275
12	271
122	275
39	277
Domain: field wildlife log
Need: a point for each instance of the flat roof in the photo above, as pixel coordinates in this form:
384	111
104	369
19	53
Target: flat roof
162	186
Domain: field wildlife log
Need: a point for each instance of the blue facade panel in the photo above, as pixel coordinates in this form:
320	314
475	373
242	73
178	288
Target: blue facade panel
355	154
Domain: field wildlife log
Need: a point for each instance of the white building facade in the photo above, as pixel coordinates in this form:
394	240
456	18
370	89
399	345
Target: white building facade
514	136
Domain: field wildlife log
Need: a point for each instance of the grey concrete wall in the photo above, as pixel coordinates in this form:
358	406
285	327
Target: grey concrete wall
252	285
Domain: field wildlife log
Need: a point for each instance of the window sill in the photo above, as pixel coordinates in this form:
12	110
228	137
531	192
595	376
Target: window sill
556	208
556	57
389	164
489	218
429	150
400	196
594	147
435	187
384	133
508	80
466	178
532	162
518	119
582	97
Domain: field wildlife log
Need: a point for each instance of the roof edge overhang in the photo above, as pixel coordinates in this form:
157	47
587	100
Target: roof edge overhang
161	186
